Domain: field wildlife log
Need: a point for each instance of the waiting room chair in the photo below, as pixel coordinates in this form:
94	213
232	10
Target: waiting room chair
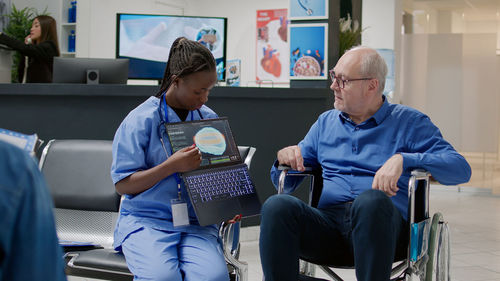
87	207
428	255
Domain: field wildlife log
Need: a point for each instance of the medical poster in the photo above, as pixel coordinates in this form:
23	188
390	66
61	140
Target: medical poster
308	9
233	72
272	46
308	51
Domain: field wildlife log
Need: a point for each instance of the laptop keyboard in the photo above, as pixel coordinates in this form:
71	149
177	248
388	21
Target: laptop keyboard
219	185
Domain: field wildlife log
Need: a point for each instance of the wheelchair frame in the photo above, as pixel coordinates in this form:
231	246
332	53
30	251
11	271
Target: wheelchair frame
428	255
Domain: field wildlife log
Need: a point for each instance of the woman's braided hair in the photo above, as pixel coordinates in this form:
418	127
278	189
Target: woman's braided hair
186	57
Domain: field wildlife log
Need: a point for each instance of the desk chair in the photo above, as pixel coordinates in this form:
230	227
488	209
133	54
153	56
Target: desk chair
428	254
87	207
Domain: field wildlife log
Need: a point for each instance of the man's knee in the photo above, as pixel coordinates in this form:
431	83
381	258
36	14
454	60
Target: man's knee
279	206
372	203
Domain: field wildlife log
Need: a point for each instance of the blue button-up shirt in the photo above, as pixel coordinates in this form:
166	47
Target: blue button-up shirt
350	154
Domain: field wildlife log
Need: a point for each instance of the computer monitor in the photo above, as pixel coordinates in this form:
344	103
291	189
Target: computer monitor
146	40
90	70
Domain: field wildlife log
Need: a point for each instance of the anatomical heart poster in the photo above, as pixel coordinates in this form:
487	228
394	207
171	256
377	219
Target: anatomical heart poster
272	46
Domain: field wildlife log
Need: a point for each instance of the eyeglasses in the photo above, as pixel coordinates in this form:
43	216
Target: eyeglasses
341	82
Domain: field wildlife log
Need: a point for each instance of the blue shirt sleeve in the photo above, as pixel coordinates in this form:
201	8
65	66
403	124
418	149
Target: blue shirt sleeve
129	147
431	152
308	148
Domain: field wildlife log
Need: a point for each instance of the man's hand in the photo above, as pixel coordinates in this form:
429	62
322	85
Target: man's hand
292	157
386	178
186	159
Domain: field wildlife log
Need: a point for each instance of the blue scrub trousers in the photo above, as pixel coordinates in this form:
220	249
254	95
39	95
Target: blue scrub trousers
160	255
366	232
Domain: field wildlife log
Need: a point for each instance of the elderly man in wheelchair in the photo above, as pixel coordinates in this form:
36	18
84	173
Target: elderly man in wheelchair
367	149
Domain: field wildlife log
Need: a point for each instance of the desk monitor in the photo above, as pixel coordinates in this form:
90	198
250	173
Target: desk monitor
90	70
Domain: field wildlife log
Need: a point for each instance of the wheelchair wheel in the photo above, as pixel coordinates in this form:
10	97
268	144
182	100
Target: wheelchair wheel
438	265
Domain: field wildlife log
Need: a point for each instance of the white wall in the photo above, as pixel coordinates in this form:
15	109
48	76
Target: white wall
96	31
53	6
454	79
382	23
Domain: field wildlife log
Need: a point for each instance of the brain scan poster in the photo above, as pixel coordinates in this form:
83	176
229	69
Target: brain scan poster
308	51
272	46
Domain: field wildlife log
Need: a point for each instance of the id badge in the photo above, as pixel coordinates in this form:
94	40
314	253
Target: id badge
179	212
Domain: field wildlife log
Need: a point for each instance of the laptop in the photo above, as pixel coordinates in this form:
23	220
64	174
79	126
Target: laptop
221	187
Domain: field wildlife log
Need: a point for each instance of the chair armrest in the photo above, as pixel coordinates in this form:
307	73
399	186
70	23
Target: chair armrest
230	256
101	260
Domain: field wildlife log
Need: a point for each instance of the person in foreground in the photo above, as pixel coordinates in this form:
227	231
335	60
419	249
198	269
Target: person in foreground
157	243
366	148
29	248
39	48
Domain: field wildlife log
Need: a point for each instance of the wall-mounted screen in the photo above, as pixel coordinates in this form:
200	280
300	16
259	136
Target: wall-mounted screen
146	40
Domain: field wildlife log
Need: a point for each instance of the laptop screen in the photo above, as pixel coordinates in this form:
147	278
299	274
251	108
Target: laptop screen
212	136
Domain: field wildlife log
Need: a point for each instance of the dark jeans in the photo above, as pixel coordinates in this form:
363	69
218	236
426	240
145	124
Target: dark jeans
365	233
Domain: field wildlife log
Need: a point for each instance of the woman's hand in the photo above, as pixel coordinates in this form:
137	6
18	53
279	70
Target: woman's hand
186	159
27	39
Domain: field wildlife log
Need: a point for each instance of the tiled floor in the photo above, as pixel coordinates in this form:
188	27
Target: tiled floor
474	218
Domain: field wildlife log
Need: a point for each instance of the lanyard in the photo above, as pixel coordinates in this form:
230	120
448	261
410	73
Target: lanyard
176	175
166	110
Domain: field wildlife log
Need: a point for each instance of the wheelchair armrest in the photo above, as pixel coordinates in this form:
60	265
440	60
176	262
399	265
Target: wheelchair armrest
417	212
287	170
316	185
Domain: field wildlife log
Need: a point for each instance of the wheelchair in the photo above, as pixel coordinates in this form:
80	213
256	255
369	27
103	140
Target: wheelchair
428	256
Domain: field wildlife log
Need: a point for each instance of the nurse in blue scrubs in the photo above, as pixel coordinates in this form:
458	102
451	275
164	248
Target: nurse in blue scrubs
157	229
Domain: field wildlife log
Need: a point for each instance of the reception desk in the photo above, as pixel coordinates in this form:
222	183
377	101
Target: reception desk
266	118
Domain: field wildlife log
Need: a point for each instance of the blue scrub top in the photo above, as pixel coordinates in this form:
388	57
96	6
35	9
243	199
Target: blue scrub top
137	146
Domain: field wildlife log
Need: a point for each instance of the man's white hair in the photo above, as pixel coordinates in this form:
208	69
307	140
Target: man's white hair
372	66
